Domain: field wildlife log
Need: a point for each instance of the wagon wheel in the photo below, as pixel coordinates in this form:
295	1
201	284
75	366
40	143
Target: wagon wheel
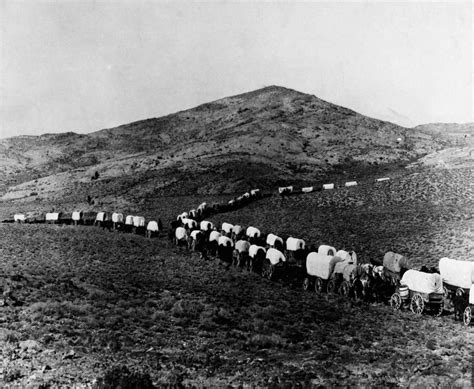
467	316
268	271
344	289
306	283
318	285
331	286
417	304
396	301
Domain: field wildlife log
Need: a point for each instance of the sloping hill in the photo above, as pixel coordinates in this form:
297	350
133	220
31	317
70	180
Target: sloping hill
262	138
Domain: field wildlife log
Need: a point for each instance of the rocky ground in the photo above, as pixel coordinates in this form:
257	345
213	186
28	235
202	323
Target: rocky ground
78	301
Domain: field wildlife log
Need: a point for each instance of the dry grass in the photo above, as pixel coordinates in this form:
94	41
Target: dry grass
94	299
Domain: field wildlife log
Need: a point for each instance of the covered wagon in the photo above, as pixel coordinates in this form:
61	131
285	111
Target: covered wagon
274	241
274	260
345	273
420	291
188	223
76	217
320	267
19	218
206	225
117	220
180	236
227	228
394	266
225	248
458	278
295	251
152	229
52	217
241	253
257	256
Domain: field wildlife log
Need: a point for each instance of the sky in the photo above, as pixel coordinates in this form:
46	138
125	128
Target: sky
87	65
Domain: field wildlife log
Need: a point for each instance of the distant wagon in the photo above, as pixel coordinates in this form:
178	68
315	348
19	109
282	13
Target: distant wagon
76	217
152	229
274	241
351	183
274	262
138	224
241	253
19	218
295	251
117	220
206	226
52	217
257	255
227	228
307	189
328	186
286	190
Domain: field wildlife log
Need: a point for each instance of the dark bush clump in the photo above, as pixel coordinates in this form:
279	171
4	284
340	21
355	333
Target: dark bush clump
121	377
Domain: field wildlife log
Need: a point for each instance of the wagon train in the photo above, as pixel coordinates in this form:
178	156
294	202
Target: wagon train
324	270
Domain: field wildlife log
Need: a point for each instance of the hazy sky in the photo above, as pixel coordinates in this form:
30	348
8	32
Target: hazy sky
86	65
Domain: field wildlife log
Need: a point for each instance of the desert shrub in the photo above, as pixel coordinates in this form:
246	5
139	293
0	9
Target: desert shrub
122	377
8	336
260	341
57	309
187	308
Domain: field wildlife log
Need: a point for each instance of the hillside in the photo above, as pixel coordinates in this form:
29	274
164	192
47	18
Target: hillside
263	138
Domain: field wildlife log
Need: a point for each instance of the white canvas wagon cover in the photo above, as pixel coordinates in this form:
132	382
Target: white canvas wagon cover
457	273
242	246
152	226
307	189
215	235
129	220
206	225
227	227
275	256
100	217
321	265
180	233
422	282
236	229
189	222
253	232
139	221
225	241
394	262
326	250
19	217
117	217
52	216
346	256
76	215
253	250
272	238
471	295
195	233
294	244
